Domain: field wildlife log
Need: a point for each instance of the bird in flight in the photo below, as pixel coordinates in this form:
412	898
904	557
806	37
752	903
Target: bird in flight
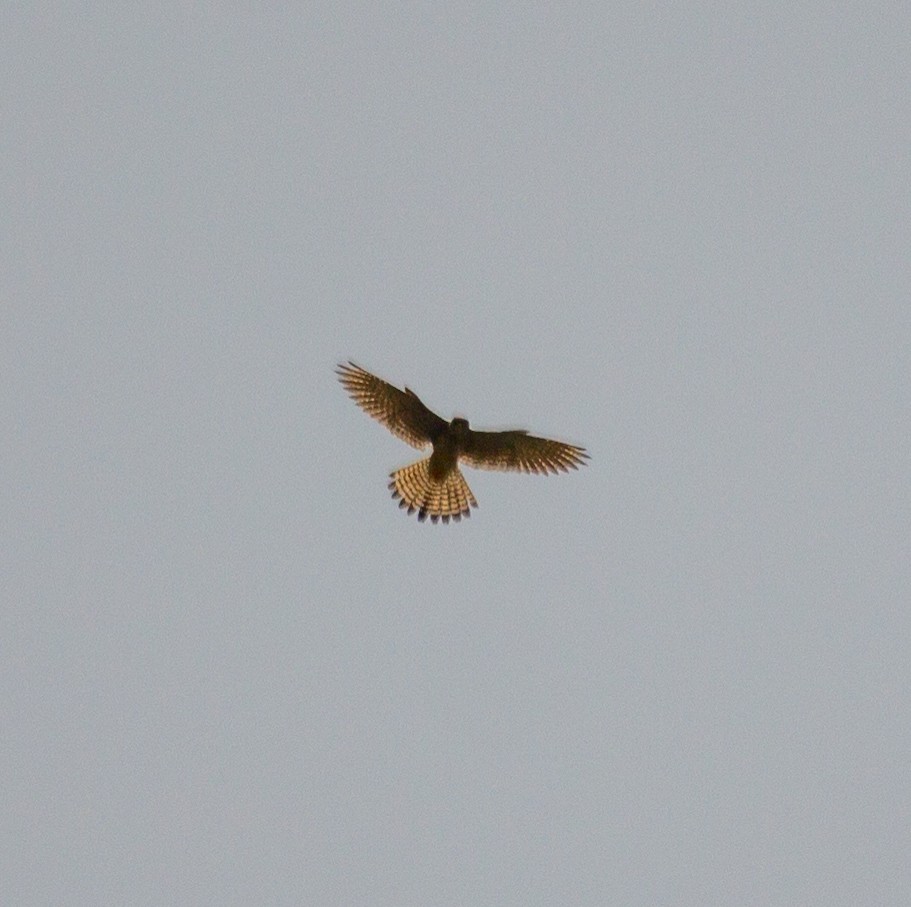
435	486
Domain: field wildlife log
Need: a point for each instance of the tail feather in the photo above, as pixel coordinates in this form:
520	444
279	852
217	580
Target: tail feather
448	499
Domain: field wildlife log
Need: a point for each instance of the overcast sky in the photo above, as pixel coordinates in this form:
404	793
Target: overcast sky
233	672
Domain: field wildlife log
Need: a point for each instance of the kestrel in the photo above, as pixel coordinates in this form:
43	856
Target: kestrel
435	486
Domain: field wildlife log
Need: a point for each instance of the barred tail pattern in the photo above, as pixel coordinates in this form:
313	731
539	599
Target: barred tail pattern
449	499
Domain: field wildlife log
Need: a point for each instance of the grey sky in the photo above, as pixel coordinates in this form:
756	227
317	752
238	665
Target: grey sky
234	673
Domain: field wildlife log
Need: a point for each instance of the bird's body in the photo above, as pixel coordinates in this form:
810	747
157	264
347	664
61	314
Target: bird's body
445	456
435	486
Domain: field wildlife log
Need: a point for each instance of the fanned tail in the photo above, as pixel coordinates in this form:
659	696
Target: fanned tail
450	498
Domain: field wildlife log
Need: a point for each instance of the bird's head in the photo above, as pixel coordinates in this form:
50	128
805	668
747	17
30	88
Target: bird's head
459	427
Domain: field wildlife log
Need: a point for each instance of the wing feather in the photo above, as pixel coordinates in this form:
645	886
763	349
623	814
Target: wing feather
402	412
520	452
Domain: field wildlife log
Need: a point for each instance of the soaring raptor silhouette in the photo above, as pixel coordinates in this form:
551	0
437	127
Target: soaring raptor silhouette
435	486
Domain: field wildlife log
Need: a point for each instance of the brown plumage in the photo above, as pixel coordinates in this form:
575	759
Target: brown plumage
435	486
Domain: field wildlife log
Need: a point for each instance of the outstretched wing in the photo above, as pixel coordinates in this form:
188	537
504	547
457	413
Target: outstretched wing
519	451
400	411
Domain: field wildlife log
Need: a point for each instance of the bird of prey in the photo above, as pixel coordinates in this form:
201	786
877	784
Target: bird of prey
435	486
